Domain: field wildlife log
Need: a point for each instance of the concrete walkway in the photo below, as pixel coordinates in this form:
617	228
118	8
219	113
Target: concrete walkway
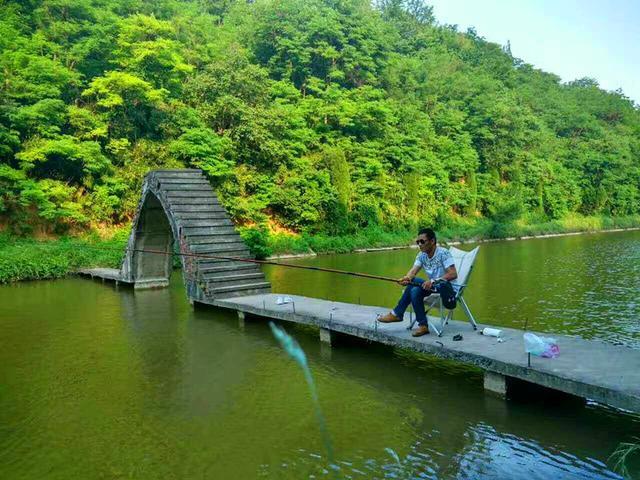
110	274
592	370
589	369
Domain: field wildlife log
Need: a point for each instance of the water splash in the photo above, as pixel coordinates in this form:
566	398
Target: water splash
293	349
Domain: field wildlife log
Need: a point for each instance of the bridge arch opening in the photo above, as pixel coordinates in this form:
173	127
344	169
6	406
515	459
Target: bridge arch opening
153	232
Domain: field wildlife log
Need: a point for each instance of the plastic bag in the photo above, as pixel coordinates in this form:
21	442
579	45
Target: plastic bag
540	346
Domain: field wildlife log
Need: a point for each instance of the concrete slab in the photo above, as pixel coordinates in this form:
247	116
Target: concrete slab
111	274
151	283
594	370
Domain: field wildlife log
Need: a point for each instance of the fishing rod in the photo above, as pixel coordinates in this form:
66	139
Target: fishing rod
259	262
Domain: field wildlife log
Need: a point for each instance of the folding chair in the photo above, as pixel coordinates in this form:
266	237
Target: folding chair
464	264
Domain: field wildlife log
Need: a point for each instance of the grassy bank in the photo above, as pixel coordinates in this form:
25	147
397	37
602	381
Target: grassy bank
28	259
482	229
458	230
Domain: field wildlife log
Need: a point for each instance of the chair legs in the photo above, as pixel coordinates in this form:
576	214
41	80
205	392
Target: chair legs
413	320
438	329
445	316
427	309
472	320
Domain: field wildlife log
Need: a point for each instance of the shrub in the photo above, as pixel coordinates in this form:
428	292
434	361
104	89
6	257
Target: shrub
257	239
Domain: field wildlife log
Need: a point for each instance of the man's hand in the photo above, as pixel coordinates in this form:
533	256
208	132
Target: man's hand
427	285
406	280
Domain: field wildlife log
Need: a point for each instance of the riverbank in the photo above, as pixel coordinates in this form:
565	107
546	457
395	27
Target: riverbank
458	232
30	259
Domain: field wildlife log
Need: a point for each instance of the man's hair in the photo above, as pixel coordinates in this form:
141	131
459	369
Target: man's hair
431	235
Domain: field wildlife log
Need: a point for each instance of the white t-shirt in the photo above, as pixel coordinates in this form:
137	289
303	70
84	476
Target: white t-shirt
436	265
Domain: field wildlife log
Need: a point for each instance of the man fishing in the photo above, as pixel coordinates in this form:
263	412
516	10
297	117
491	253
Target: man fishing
438	265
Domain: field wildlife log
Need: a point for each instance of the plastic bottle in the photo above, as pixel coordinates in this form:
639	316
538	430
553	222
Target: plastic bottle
491	332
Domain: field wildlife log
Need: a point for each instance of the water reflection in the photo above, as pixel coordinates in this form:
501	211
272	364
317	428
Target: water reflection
156	339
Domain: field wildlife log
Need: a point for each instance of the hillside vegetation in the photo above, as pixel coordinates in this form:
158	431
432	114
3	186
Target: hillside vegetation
314	116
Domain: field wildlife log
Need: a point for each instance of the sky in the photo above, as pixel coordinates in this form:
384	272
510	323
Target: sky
571	38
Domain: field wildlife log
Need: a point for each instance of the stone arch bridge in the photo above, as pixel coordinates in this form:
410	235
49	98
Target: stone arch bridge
180	212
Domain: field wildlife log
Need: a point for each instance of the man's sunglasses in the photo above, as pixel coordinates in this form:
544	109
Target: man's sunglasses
421	241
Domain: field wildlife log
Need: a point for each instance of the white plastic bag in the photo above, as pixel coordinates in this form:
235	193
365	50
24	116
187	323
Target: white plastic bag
540	346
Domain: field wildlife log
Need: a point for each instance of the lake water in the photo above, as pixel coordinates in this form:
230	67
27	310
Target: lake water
99	383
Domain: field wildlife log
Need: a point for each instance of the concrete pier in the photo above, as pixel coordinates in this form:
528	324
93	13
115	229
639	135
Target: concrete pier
325	335
241	317
588	369
102	273
495	383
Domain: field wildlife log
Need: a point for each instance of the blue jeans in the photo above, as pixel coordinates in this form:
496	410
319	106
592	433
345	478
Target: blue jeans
414	295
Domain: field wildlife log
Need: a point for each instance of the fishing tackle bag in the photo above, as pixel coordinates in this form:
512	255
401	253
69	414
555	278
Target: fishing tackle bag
447	295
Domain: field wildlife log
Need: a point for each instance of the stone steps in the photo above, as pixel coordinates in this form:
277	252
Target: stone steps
178	195
220	238
184	181
203	248
235	279
206	208
180	201
213	230
232	289
206	260
210	275
228	266
194	187
180	216
241	293
176	174
195	224
235	249
210	264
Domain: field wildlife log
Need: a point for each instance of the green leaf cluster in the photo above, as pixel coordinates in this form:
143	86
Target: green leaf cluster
318	116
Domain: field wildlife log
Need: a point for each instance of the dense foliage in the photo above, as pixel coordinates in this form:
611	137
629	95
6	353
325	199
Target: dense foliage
315	115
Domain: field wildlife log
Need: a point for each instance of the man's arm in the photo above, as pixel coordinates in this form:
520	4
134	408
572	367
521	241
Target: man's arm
411	274
449	274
